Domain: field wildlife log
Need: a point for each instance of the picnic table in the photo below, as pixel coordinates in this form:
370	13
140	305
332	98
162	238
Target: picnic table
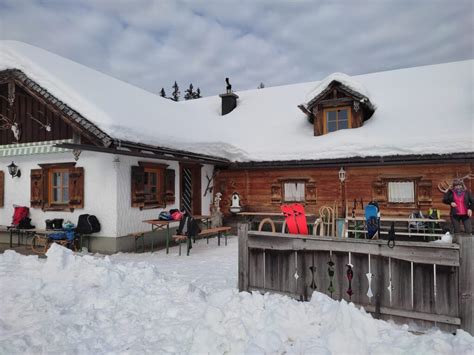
158	225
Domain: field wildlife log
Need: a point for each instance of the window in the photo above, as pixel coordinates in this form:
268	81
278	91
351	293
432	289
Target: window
57	187
152	185
294	191
336	119
401	192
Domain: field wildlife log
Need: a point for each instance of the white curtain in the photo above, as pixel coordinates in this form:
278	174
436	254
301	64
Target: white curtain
294	191
401	192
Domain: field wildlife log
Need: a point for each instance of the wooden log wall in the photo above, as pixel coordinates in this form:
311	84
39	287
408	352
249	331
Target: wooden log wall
269	261
31	131
255	186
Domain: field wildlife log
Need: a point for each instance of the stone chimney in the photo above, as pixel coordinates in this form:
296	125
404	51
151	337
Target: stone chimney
229	99
229	102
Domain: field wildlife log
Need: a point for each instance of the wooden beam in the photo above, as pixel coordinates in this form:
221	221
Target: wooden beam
466	282
423	253
415	315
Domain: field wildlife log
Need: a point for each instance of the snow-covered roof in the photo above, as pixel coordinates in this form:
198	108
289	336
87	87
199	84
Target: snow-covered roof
422	110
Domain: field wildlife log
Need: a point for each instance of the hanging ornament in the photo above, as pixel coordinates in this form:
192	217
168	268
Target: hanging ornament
331	288
296	276
369	276
313	272
390	287
350	276
76	153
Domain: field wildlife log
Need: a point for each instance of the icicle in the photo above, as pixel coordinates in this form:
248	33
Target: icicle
412	291
369	278
390	288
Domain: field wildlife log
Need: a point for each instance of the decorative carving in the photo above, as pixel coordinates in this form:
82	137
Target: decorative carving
379	191
356	106
310	193
424	192
76	153
276	193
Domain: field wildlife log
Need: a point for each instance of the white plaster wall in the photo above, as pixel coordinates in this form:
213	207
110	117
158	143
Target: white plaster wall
100	185
130	219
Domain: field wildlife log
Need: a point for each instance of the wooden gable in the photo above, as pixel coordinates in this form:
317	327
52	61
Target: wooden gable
29	113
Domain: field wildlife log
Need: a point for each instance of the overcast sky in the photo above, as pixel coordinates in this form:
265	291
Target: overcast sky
153	43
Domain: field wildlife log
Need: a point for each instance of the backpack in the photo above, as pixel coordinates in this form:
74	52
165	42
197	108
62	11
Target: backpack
416	225
433	213
164	216
20	213
87	224
177	216
372	218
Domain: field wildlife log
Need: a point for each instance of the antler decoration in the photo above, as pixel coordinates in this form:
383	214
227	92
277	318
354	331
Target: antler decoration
46	125
444	186
8	122
209	188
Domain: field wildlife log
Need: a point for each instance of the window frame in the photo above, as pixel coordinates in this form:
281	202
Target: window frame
159	198
338	108
51	187
293	181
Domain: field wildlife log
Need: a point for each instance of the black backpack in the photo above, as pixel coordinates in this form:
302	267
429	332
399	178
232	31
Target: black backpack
87	224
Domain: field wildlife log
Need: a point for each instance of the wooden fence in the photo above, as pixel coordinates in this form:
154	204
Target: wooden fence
425	283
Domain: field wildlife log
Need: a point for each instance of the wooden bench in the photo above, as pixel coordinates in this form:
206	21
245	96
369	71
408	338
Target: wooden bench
204	233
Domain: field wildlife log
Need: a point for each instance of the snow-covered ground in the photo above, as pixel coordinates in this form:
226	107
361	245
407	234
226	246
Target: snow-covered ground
158	303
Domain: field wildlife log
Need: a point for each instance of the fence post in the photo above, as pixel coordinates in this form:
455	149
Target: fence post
466	282
243	229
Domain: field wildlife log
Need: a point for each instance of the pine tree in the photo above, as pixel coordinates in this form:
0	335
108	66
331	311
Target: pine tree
261	86
176	93
162	93
197	94
190	94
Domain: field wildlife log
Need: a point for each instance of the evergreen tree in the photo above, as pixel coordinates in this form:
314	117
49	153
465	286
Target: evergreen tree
197	94
261	86
176	93
190	94
162	93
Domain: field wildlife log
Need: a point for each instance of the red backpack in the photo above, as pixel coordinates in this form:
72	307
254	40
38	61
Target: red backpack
20	213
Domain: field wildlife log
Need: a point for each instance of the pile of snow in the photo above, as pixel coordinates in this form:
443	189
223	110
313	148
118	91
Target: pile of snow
158	303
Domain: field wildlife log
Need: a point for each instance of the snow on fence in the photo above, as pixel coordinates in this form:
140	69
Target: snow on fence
423	283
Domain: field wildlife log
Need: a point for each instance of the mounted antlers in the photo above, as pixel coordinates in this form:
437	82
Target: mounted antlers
46	125
444	186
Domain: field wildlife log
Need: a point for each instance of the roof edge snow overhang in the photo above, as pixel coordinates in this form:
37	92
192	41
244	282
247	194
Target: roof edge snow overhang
145	151
413	159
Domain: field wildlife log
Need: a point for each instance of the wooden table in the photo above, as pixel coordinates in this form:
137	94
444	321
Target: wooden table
204	219
158	225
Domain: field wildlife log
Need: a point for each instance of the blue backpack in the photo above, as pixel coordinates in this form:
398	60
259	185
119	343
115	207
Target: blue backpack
372	219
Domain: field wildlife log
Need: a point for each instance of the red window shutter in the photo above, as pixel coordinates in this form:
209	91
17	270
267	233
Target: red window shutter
2	188
170	176
138	186
37	188
76	188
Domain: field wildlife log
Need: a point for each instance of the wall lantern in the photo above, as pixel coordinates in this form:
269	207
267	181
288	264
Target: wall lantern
13	170
342	175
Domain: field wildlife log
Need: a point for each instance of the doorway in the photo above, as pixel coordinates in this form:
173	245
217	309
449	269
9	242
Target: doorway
190	188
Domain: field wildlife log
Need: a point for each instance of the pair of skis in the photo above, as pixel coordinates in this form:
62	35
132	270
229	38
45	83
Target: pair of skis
295	218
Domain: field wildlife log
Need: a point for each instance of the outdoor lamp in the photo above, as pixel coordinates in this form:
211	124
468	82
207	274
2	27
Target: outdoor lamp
342	175
13	170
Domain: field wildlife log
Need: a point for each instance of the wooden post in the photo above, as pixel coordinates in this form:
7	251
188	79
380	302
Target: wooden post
243	229
466	282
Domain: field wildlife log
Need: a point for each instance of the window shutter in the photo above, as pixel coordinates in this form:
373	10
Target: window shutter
138	186
2	188
310	193
37	188
169	186
424	190
76	187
